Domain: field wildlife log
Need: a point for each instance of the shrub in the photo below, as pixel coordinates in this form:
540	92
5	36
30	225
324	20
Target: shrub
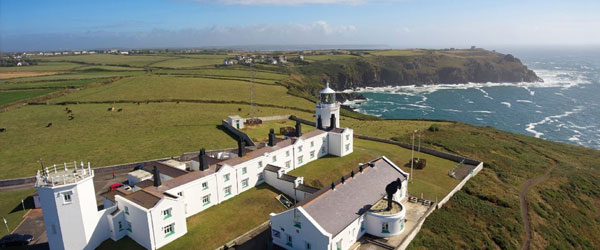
434	128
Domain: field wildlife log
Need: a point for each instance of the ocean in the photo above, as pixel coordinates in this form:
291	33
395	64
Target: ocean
564	108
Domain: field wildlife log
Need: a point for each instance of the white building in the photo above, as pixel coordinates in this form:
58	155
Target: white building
153	213
236	121
327	109
337	216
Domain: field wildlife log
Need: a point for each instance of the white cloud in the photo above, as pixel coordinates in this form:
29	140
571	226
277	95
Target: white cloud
283	2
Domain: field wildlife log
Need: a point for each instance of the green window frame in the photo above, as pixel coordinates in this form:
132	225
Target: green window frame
244	170
204	185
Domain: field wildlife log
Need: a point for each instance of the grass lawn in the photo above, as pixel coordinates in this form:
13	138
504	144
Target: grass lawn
260	132
167	88
106	68
432	181
222	223
139	132
388	128
8	97
11	208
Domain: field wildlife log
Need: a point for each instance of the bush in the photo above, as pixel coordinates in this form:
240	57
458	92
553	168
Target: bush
434	128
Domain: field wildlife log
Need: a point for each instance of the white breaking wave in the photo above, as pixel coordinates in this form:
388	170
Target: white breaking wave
552	79
451	110
483	111
507	104
531	126
524	101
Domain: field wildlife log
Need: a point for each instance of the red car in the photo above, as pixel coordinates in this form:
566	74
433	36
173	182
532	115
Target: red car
115	186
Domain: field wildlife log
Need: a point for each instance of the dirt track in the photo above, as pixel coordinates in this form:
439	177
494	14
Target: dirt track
525	203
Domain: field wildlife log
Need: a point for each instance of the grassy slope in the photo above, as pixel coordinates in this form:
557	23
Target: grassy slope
8	97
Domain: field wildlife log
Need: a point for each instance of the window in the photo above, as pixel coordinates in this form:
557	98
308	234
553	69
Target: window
312	154
260	164
120	226
276	234
297	221
287	153
299	159
180	194
274	158
299	148
324	139
129	227
308	246
338	244
67	197
245	183
323	150
244	170
260	177
227	191
312	144
226	177
348	147
206	200
347	137
204	185
166	213
169	229
289	240
288	164
385	227
126	210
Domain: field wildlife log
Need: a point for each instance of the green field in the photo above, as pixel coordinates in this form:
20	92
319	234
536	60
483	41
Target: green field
42	66
77	75
11	208
169	88
107	59
9	97
189	62
64	83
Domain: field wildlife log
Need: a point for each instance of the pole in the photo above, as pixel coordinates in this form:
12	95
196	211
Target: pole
6	224
23	204
419	150
412	156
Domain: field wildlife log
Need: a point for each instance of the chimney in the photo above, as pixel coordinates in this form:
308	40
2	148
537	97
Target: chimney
352	174
156	176
271	138
241	146
298	129
203	160
332	124
319	122
360	168
342	179
332	186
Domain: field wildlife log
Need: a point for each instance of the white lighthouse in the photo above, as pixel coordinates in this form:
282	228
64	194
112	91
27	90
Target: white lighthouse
327	109
69	205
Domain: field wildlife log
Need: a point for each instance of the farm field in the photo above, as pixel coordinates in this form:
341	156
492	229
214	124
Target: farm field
76	75
108	59
189	62
9	97
48	84
169	88
41	67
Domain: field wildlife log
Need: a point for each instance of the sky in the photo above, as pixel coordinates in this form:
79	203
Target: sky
29	25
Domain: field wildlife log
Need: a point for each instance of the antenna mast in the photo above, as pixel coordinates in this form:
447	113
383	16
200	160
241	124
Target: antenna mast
252	108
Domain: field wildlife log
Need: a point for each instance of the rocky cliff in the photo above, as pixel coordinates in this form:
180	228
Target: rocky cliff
422	67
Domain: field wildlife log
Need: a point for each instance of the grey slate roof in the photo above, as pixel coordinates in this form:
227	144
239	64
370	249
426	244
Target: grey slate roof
335	209
272	168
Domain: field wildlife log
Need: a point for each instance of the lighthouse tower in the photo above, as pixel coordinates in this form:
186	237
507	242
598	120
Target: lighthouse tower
69	207
327	109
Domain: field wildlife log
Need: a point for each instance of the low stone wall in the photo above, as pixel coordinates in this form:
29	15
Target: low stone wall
460	185
434	152
410	236
307	122
274	118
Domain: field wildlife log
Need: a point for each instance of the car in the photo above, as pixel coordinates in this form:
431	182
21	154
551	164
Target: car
15	240
114	186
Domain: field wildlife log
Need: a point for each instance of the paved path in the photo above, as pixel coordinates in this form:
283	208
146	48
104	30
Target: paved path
525	203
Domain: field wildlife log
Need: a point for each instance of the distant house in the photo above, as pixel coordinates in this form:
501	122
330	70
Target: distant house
230	62
124	52
301	57
92	52
76	52
272	61
19	64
